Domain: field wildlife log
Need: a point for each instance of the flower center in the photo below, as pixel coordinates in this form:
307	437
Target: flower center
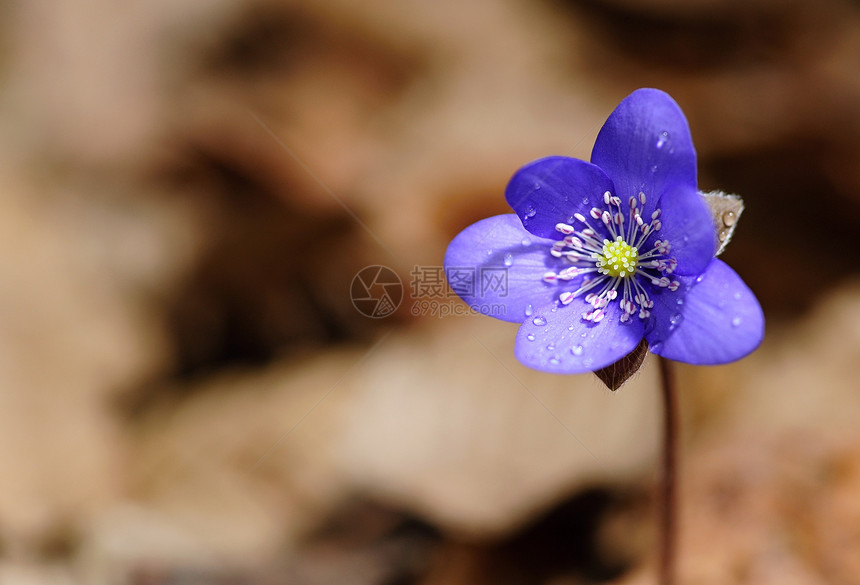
619	259
614	270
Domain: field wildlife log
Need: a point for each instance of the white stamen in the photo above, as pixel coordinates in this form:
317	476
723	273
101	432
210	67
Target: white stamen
618	274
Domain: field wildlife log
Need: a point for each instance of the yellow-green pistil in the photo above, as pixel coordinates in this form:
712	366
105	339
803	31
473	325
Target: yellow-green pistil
619	266
619	259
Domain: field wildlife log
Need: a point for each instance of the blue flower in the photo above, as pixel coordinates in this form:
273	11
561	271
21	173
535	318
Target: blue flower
603	254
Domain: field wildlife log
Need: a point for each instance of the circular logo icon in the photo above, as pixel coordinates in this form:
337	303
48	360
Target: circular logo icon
376	291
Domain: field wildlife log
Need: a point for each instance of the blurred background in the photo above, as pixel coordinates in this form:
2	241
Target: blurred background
188	395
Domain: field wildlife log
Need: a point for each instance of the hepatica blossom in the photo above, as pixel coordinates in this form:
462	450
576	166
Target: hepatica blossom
603	254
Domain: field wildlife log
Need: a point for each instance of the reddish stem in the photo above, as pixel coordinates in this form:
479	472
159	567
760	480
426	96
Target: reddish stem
668	494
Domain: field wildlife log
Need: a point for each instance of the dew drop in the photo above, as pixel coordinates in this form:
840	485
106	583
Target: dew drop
570	220
509	259
531	211
584	334
576	350
529	310
679	302
550	347
570	328
736	322
526	242
656	346
700	278
553	361
662	139
729	218
585	201
676	319
587	362
530	337
723	236
539	321
537	186
654	169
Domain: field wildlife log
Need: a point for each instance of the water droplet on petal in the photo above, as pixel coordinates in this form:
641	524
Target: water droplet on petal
662	139
584	334
529	310
537	186
539	321
553	361
550	347
676	319
570	328
531	211
656	346
585	200
576	350
530	337
526	242
700	278
509	259
736	322
729	218
654	168
679	302
587	362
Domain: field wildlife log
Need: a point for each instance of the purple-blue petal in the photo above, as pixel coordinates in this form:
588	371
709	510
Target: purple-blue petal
561	342
645	145
689	227
550	190
497	268
720	320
